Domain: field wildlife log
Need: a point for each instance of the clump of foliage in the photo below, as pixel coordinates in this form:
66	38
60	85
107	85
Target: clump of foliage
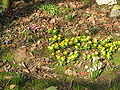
96	69
52	9
94	30
26	0
1	6
82	47
69	18
12	78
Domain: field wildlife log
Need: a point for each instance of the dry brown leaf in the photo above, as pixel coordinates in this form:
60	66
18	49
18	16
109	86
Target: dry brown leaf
8	77
81	22
26	19
103	19
25	70
1	70
30	55
52	20
72	5
13	45
70	72
91	19
22	50
39	11
20	54
108	25
12	86
33	47
85	74
102	14
93	12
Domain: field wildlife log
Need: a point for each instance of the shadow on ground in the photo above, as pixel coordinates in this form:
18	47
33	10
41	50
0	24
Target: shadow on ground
27	82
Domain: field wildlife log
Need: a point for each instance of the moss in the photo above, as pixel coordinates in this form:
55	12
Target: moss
5	3
39	84
116	58
8	56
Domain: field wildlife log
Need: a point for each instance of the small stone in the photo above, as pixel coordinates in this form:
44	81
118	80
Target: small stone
109	2
115	12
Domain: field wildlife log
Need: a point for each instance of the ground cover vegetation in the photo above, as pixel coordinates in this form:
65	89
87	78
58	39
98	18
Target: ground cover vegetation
59	45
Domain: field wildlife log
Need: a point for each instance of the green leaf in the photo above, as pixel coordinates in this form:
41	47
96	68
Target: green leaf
51	88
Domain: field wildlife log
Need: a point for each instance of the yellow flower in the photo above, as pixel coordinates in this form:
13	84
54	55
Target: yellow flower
57	56
53	54
49	29
55	28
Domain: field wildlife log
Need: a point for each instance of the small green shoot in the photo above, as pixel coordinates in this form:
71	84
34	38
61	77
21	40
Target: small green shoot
52	9
1	6
93	30
69	18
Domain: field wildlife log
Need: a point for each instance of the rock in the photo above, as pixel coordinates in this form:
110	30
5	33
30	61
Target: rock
109	2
